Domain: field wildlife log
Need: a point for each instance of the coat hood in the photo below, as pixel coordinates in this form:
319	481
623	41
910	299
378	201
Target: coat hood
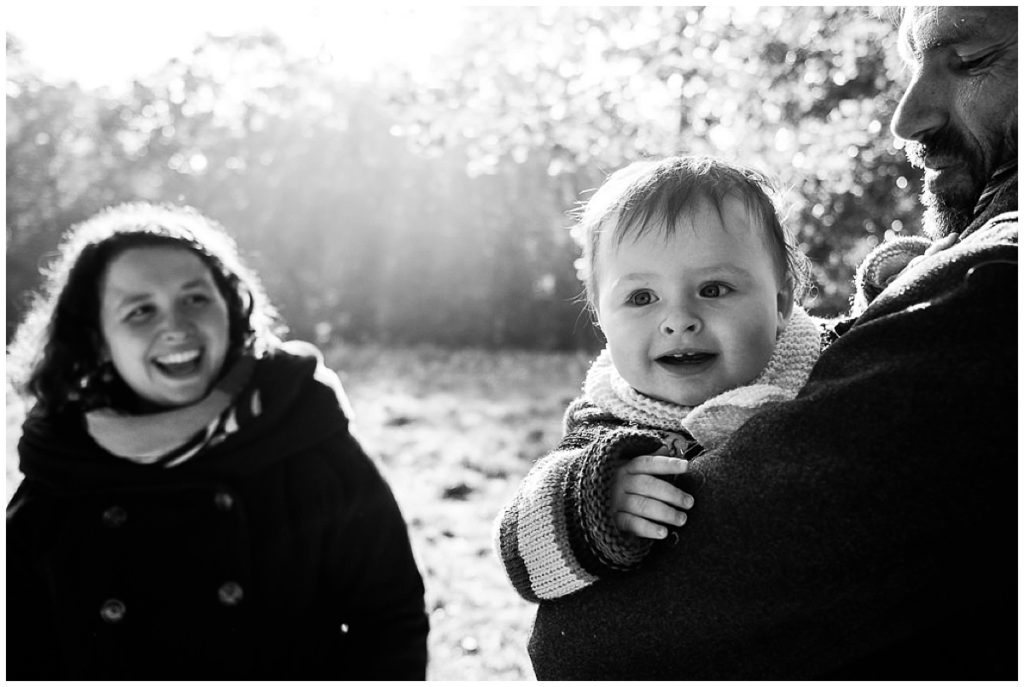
303	404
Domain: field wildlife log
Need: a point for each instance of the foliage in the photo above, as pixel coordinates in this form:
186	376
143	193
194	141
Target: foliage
353	233
803	93
433	208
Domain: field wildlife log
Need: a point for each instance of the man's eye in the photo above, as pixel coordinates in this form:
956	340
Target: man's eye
714	290
641	298
973	62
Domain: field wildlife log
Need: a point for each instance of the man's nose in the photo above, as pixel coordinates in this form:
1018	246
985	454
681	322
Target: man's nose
923	109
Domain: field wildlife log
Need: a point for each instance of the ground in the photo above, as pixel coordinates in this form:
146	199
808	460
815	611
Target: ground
454	432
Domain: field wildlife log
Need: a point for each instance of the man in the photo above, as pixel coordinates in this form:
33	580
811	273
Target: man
867	529
959	114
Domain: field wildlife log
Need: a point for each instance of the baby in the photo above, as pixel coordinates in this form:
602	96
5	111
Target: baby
694	284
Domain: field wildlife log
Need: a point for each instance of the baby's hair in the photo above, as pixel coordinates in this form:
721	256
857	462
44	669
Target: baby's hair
56	353
656	193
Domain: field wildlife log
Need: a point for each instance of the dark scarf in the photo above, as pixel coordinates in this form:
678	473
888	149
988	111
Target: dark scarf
998	196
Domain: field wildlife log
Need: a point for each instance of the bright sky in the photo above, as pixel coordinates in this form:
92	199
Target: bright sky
107	42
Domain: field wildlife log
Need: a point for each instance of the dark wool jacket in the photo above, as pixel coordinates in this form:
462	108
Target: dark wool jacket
865	530
277	554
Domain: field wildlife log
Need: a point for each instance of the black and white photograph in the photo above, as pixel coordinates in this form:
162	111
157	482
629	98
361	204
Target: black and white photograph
427	341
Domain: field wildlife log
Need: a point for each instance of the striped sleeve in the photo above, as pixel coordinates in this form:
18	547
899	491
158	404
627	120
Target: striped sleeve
556	536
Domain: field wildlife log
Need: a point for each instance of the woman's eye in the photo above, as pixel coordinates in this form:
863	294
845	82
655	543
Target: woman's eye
139	313
197	299
641	298
714	290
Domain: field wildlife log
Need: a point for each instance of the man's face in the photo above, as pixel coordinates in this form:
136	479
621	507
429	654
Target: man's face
959	113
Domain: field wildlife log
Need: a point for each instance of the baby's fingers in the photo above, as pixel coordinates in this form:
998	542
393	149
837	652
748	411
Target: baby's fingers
645	506
942	244
651	487
656	464
937	245
627	522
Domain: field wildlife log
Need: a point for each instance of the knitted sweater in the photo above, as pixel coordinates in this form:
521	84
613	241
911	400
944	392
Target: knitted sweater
557	535
865	530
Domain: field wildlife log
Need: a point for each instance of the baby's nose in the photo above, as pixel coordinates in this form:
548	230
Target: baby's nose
680	321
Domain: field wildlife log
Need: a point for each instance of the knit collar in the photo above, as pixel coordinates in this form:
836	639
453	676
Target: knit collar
172	437
998	196
788	368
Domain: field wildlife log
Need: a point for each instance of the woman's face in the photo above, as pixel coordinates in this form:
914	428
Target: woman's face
164	324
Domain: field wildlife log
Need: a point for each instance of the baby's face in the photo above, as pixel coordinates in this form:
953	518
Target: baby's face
691	314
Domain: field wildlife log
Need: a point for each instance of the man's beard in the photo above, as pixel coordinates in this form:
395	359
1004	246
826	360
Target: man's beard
941	219
953	211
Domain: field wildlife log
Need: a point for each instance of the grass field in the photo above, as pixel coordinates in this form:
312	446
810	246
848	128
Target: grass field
454	432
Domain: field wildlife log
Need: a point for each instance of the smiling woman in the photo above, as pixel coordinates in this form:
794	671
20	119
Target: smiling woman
210	466
165	324
353	38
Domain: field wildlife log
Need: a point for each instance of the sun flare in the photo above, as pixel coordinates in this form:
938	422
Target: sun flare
352	38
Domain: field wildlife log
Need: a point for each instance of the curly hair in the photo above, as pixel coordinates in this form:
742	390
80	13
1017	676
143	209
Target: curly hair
649	194
56	353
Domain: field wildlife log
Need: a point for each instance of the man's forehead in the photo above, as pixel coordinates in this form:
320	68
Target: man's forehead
926	28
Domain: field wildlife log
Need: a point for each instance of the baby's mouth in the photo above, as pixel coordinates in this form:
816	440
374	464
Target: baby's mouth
686	359
180	364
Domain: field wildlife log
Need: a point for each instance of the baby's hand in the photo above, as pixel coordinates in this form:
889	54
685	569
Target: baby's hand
941	244
643	503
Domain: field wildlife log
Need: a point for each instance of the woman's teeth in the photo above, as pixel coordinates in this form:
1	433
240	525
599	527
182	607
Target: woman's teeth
177	358
180	364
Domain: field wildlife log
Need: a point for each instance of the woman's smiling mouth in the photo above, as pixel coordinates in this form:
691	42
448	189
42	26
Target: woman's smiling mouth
181	364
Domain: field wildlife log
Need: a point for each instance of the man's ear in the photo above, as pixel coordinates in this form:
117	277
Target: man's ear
784	304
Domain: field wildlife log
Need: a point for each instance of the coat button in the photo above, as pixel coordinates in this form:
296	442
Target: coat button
114	516
230	594
112	610
223	501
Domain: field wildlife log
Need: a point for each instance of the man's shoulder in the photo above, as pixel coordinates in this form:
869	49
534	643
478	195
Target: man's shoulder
948	271
999	230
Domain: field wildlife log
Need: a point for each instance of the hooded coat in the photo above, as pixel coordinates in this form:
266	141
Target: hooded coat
279	553
866	529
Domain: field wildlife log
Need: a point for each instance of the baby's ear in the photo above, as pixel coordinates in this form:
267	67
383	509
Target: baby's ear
784	304
595	317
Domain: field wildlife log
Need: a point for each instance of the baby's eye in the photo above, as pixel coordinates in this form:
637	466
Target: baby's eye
640	298
715	290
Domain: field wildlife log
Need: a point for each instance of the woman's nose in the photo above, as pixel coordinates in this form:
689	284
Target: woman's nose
177	327
174	336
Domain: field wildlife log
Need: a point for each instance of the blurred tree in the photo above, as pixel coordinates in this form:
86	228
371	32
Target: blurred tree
354	235
803	93
434	208
55	168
